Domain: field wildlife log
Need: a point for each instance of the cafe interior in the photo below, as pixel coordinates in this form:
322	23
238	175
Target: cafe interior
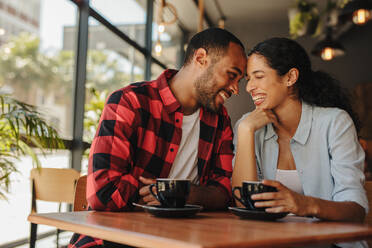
60	59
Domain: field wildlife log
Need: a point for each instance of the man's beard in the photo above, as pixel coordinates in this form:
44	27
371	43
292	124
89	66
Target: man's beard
205	90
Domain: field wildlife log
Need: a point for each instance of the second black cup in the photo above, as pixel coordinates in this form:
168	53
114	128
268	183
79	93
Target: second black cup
171	193
248	189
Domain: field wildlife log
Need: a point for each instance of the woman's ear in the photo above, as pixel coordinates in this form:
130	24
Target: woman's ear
292	76
200	57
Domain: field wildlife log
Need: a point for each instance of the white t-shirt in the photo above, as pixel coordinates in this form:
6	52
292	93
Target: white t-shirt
290	179
184	165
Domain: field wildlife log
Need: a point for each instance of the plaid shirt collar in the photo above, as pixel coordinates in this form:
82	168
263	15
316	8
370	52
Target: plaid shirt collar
171	104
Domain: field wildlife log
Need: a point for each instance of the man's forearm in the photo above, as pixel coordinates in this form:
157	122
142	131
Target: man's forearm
210	197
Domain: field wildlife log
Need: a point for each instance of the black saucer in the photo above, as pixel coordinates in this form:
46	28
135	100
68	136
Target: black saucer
255	215
186	211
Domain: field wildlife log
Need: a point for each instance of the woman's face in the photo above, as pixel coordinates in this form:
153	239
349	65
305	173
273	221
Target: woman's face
267	88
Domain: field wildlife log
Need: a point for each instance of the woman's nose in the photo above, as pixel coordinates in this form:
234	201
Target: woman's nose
250	86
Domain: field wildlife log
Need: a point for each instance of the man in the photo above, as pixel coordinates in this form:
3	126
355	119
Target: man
174	126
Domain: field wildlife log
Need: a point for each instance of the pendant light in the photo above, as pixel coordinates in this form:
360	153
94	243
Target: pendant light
359	11
328	48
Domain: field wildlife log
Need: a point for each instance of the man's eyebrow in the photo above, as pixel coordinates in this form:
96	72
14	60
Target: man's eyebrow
237	69
257	71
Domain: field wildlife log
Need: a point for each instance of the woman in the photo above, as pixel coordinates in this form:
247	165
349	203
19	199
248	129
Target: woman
301	138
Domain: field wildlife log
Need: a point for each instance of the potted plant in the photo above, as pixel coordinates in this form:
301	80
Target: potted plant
22	131
303	19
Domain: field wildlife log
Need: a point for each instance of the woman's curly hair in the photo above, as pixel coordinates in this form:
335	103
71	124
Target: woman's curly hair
314	87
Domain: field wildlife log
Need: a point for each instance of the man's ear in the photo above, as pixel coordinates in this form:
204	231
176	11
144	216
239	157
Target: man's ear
292	76
201	57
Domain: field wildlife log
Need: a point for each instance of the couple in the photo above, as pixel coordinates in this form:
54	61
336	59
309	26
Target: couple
300	138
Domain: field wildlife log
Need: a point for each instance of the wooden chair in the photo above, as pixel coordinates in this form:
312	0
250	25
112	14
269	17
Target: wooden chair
368	188
53	185
368	219
80	199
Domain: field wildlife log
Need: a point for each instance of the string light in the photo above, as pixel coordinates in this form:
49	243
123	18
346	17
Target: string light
161	28
2	31
158	48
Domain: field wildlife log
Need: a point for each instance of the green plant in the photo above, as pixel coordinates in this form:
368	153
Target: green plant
22	129
303	19
93	111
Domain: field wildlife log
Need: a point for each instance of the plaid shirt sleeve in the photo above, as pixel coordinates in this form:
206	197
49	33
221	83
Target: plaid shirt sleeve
110	184
220	168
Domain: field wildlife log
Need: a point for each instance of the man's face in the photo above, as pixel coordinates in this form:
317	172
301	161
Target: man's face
220	80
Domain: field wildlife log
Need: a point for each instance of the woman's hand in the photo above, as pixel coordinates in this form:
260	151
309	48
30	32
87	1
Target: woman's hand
257	119
285	200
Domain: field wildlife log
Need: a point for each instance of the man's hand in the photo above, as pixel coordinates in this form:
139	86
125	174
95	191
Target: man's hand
146	197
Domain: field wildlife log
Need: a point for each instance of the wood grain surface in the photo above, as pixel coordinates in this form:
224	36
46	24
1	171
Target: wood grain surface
207	229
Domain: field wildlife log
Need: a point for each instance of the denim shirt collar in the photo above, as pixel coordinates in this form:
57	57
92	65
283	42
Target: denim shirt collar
303	129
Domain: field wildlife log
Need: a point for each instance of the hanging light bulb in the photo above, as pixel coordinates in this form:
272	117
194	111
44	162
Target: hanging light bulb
359	11
328	48
161	28
2	31
158	48
327	53
361	16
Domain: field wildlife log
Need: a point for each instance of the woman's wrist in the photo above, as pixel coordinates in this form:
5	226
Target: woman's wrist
313	207
244	128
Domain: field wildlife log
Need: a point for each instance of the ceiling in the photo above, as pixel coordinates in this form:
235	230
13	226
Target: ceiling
249	20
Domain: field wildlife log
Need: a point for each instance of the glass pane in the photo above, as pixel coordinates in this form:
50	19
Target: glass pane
169	40
15	210
34	66
36	69
156	70
110	67
127	15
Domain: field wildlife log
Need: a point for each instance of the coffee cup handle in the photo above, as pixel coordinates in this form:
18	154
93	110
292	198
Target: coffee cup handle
152	192
235	196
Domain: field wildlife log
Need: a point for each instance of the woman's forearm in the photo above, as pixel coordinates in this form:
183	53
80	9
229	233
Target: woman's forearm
245	160
335	211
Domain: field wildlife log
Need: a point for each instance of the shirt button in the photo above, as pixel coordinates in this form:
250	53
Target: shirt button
177	120
172	150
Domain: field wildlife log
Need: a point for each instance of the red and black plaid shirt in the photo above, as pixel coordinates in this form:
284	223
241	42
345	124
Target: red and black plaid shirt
139	135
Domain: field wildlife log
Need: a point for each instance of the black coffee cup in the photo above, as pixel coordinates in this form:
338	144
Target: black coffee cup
171	193
248	189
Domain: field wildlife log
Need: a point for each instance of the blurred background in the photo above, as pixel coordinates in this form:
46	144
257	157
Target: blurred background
66	56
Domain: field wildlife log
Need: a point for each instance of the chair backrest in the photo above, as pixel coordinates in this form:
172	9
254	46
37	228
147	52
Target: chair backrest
80	201
368	188
56	185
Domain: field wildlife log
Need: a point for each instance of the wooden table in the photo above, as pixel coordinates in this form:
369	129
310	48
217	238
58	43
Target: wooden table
207	229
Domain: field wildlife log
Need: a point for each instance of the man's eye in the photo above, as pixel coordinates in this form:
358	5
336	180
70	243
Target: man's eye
232	75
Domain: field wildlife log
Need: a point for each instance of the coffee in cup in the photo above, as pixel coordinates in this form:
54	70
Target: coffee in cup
248	189
171	193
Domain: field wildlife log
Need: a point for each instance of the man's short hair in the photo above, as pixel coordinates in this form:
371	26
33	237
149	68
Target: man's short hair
214	40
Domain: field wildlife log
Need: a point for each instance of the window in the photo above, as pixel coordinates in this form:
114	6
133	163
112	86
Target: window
36	68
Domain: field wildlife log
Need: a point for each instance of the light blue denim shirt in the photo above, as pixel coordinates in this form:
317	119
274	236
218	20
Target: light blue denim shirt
327	154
